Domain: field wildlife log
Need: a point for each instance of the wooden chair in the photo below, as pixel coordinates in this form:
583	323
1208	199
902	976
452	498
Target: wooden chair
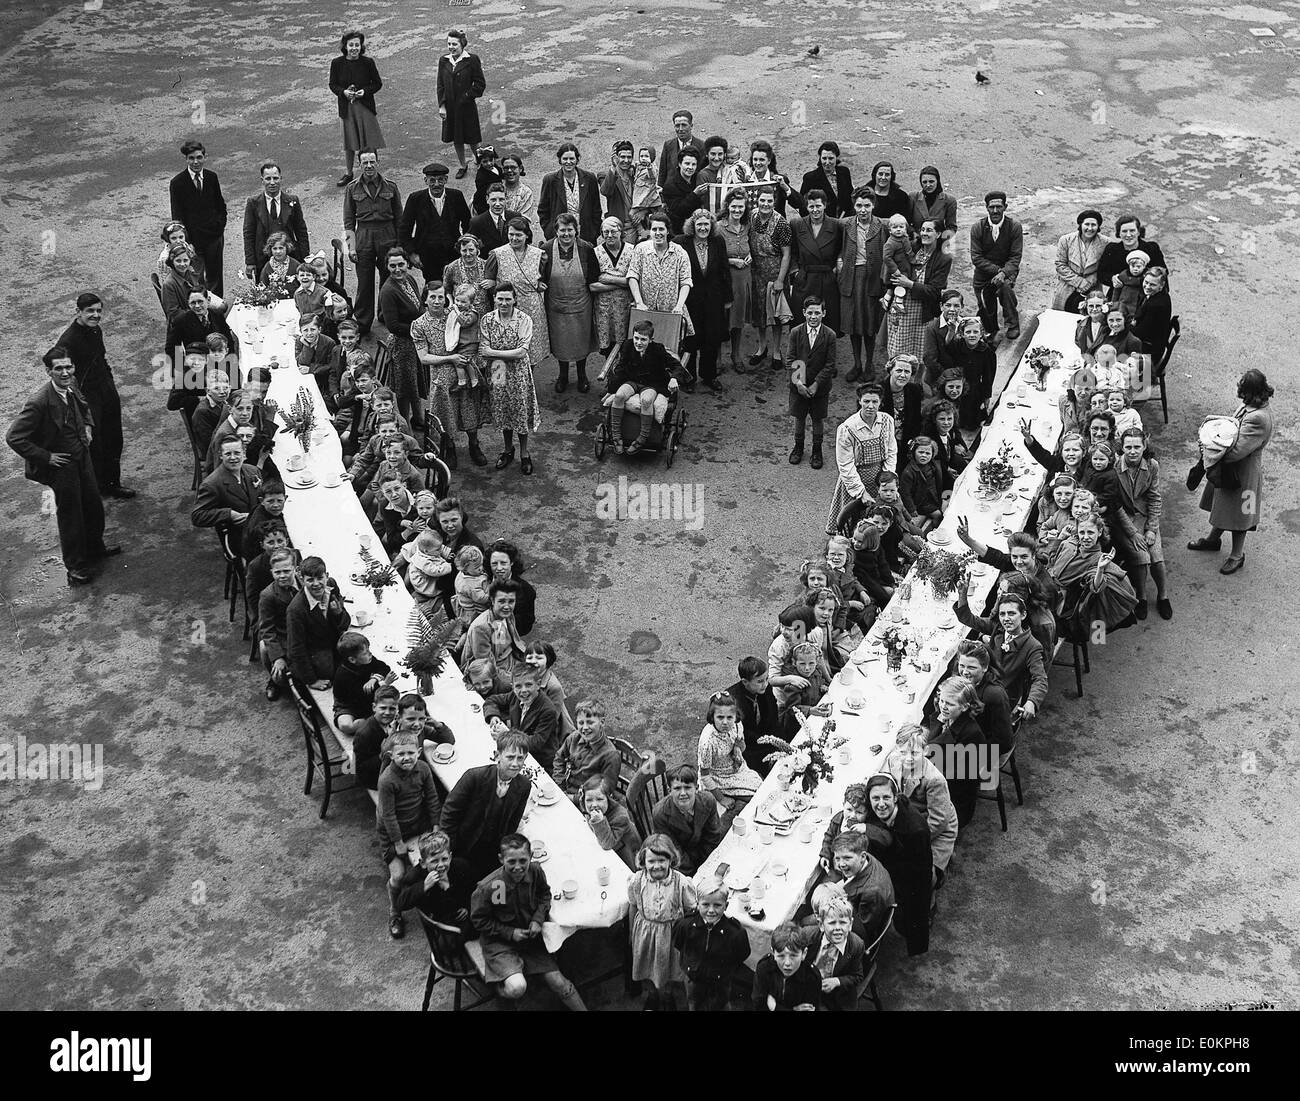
1158	370
337	271
648	786
325	756
1079	658
867	988
157	287
383	363
453	957
631	758
1006	767
195	449
235	587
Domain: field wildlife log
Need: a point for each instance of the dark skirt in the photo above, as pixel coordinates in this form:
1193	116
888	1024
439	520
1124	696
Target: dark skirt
825	285
361	129
461	124
860	312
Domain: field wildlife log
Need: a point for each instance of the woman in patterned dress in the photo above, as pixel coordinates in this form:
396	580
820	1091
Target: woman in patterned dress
520	264
464	409
769	245
613	299
930	268
519	196
659	274
507	337
568	271
470	268
399	302
865	445
735	235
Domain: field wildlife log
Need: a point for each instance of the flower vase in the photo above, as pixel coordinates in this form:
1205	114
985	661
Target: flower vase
809	781
265	317
424	681
894	661
783	779
379	597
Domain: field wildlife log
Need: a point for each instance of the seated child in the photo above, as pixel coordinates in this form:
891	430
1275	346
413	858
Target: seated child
1129	292
793	625
357	677
639	382
608	819
270	510
721	753
471	599
815	576
808	665
839	570
425	565
587	752
1054	512
462	334
838	953
394	505
1125	415
1102	480
413	717
422	519
408	806
712	945
921	485
314	352
1110	376
866	883
541	657
481	676
898	261
370	734
851	819
785	980
906	523
310	297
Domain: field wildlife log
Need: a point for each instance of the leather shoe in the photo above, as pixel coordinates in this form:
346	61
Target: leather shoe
526	464
1165	609
757	358
562	383
816	461
79	577
476	455
1205	543
1232	563
344	180
853	375
1141	609
796	453
462	172
1013	334
714	385
583	384
120	492
505	459
111	551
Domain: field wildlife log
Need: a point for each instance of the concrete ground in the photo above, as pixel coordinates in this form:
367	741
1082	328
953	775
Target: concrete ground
1153	863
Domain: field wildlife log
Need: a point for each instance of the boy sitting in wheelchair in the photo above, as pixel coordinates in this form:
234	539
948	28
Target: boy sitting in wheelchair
638	380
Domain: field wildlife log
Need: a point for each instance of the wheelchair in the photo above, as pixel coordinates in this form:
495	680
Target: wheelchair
666	435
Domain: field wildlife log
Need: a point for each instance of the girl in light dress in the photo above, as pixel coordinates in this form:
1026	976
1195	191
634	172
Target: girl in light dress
721	754
658	895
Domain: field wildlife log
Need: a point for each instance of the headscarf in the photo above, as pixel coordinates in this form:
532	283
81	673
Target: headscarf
928	170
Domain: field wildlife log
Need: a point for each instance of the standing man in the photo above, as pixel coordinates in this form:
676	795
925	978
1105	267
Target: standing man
372	210
996	243
53	434
683	121
460	84
490	226
573	190
197	203
272	211
432	221
812	369
84	343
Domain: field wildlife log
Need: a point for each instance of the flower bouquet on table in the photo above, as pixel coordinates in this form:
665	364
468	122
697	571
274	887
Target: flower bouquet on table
300	418
942	570
898	640
428	653
375	576
1042	360
811	759
998	474
262	296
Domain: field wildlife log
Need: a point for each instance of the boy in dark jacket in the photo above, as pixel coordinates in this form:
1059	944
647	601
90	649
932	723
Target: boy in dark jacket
408	806
712	947
357	677
785	980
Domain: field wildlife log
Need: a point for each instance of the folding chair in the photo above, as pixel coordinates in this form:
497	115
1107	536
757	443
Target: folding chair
196	449
867	988
235	586
1158	370
453	957
325	755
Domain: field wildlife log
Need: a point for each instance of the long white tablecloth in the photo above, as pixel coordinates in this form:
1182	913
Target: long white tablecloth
331	523
889	706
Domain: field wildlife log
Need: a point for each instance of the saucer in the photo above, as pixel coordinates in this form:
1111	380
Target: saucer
444	758
333	481
300	483
547	800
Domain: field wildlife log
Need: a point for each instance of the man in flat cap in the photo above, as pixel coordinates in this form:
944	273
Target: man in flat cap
432	221
372	209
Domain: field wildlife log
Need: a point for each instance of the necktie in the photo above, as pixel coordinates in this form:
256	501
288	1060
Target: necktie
500	228
198	183
826	960
275	210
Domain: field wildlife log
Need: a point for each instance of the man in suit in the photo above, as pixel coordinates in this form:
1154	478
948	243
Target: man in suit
487	803
272	210
228	495
937	334
526	708
197	203
313	622
53	434
690	817
683	122
432	221
812	367
490	226
84	342
191	329
996	244
571	189
372	210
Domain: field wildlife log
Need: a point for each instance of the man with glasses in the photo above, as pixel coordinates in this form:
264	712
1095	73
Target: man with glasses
996	244
53	434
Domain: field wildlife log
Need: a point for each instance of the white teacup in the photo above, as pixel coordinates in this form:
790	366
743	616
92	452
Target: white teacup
295	462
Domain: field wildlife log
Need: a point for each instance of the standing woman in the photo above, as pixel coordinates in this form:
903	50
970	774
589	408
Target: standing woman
887	197
519	196
735	236
680	197
900	840
354	79
762	165
459	408
858	269
1077	256
518	263
933	204
817	240
957	724
469	270
460	83
831	178
1237	509
930	267
613	299
507	336
568	271
659	276
769	246
1151	319
505	564
865	445
710	296
399	302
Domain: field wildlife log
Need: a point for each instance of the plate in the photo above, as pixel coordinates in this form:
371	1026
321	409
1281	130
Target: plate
736	882
332	482
947	624
1011	509
542	859
301	483
940	538
547	800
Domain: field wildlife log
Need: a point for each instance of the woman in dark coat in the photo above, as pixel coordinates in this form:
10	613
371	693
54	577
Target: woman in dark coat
899	837
1152	317
399	302
886	196
505	564
833	178
816	241
1114	257
978	364
460	83
679	194
1118	334
903	399
354	79
956	723
710	295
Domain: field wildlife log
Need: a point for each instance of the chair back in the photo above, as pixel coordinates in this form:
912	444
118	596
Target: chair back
383	358
645	790
306	711
337	272
447	949
630	756
873	949
229	551
157	286
1175	331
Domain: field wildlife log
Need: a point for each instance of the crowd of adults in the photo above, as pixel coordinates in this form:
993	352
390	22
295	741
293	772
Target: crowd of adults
710	231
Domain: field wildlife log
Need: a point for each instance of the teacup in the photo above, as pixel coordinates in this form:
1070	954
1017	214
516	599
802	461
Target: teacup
766	833
602	876
295	462
777	869
570	888
807	831
740	825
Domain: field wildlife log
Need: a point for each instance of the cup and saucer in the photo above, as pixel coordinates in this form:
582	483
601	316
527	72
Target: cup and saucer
443	754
